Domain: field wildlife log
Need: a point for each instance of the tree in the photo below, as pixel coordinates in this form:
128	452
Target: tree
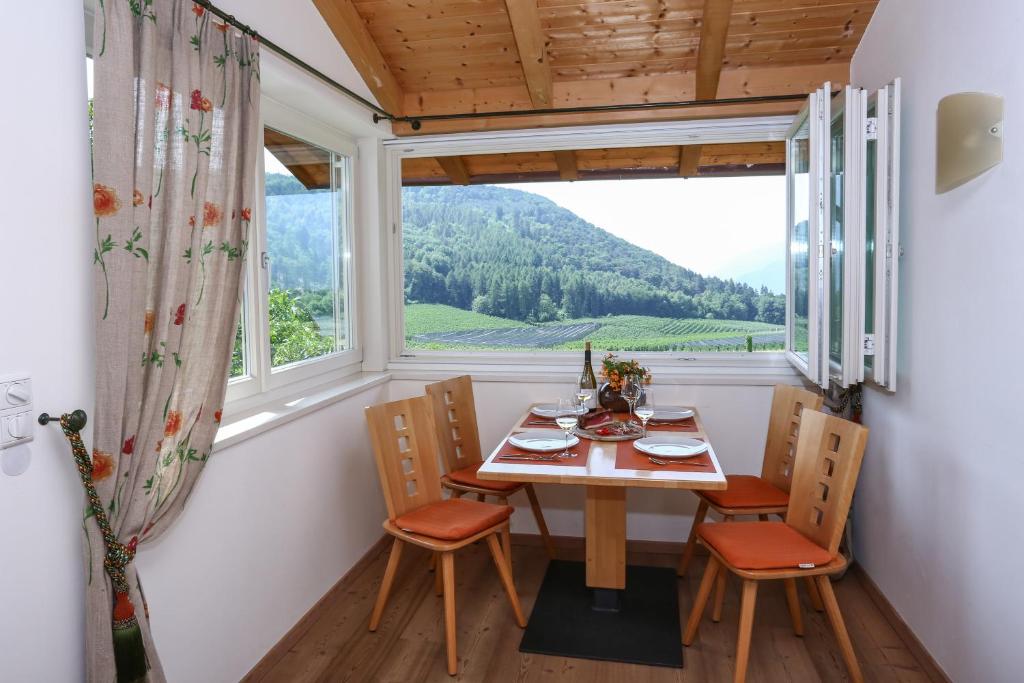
294	334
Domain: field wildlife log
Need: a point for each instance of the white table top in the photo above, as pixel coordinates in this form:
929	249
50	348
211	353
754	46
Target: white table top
600	468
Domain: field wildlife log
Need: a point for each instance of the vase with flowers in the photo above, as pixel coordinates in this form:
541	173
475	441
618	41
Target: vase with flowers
614	373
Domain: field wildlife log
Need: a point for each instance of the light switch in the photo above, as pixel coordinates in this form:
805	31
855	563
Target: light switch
19	394
16	423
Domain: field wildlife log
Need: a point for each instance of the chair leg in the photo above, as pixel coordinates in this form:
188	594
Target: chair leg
691	542
448	569
538	515
814	595
716	612
505	572
747	603
701	601
716	609
836	618
438	572
385	584
793	602
506	545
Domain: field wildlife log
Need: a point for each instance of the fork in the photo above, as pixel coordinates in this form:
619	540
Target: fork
528	457
659	461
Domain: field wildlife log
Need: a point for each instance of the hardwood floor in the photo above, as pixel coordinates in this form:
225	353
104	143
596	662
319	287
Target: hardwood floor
335	645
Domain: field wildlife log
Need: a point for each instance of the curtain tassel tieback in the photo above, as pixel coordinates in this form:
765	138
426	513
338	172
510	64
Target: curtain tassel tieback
129	648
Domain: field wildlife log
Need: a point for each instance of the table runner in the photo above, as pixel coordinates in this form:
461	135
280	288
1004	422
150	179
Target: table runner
628	458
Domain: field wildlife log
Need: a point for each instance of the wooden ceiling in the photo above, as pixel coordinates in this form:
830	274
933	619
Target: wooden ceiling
429	57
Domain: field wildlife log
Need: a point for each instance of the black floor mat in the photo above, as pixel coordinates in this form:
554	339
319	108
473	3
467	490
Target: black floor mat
645	629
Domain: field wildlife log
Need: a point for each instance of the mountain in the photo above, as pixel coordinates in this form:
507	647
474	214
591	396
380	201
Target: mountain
517	255
510	254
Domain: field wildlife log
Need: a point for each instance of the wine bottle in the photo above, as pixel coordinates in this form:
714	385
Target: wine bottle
588	381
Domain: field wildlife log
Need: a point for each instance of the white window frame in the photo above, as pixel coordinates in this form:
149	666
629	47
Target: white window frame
819	368
262	383
709	131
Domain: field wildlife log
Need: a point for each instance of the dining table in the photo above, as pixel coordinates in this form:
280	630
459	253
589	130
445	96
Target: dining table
603	608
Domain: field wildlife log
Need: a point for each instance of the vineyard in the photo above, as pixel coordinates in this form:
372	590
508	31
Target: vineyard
434	326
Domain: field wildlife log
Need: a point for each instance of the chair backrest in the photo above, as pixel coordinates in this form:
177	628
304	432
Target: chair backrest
405	447
788	403
455	422
829	453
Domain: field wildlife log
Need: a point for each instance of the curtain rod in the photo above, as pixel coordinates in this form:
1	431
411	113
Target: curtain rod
379	113
416	122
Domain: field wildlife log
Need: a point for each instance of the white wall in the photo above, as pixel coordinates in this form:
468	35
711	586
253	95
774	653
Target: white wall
46	331
938	502
735	417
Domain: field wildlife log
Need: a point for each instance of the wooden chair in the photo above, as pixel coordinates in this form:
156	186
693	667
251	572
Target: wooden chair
767	494
828	458
459	439
405	446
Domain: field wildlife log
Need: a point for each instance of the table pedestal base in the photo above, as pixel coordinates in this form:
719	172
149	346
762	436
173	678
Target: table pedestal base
643	630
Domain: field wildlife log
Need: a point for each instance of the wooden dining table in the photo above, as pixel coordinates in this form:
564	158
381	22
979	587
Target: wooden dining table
607	469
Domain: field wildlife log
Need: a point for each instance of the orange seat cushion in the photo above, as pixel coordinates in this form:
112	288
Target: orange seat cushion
467	476
452	520
746	491
762	545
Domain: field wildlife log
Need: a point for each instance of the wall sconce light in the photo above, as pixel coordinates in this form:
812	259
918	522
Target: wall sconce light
969	138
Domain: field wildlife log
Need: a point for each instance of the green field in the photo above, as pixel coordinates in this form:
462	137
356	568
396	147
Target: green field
439	327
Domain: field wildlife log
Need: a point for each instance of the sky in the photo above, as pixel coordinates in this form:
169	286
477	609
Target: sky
729	227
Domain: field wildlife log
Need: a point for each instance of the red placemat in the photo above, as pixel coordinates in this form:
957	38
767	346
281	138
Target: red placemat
687	425
541	422
582	449
629	458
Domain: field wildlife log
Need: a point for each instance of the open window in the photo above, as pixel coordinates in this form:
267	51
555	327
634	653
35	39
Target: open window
842	169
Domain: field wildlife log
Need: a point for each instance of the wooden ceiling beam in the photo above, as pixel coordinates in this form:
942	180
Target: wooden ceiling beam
455	169
351	32
714	30
566	160
628	90
532	47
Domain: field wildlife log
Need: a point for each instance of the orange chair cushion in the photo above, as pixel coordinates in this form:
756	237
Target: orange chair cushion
762	545
467	476
454	519
746	491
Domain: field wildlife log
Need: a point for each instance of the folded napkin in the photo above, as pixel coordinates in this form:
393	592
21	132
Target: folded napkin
598	417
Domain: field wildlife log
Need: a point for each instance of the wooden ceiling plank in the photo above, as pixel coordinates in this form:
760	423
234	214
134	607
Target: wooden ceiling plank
531	43
566	160
455	168
355	39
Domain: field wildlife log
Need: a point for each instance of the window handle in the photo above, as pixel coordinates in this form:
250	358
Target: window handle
265	264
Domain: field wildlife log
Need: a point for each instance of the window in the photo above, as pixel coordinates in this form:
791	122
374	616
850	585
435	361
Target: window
842	170
297	321
662	264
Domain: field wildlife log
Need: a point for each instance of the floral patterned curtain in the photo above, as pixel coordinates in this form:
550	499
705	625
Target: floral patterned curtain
175	148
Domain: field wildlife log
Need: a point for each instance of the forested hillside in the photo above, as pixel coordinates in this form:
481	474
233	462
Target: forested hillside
506	253
517	255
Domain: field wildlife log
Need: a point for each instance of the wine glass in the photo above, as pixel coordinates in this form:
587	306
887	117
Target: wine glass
631	390
566	418
584	391
646	410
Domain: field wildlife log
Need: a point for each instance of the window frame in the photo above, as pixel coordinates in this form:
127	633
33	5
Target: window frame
703	131
264	383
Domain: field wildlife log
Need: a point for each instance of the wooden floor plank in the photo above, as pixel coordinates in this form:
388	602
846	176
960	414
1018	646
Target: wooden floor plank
409	644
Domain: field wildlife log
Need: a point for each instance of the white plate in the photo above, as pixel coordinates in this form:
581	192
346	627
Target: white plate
671	414
551	410
542	441
670	446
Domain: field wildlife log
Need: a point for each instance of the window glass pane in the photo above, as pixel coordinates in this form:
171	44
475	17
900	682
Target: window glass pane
238	365
657	264
800	158
305	214
871	161
836	222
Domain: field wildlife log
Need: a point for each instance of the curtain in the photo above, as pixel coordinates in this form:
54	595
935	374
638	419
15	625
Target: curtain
175	148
